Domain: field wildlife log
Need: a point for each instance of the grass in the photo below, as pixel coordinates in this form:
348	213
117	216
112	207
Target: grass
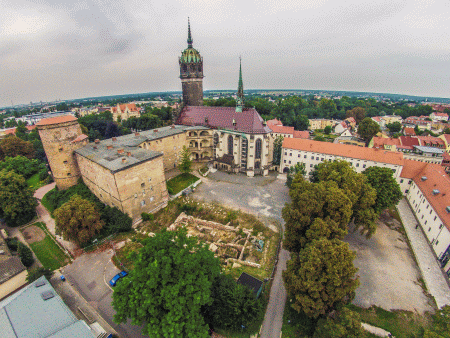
180	182
46	203
48	252
34	183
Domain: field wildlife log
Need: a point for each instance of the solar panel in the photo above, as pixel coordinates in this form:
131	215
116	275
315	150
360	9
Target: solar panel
47	295
39	283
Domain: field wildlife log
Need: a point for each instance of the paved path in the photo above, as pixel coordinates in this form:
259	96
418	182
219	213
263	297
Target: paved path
432	274
39	194
262	196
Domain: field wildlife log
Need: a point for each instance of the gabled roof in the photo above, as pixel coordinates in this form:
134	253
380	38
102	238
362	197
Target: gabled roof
337	149
301	134
247	121
408	141
409	131
253	283
56	120
380	142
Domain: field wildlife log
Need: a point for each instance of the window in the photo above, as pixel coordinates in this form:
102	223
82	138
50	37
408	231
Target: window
289	162
149	179
311	165
298	155
401	181
69	174
440	226
364	165
230	145
317	158
284	161
357	164
312	157
429	229
431	211
65	162
406	191
434	218
142	203
426	222
437	242
258	145
285	153
304	156
410	181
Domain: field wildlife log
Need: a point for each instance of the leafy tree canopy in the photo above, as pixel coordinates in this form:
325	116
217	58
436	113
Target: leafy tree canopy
299	168
185	161
78	220
387	188
394	127
13	146
321	277
358	113
22	165
368	128
346	324
39	272
169	285
277	145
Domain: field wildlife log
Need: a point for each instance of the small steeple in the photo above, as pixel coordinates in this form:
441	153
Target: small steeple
189	40
240	93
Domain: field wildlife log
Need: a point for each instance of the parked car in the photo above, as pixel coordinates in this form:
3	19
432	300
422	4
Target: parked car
114	280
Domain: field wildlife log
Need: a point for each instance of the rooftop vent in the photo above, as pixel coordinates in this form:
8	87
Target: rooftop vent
97	141
39	283
435	191
424	178
114	138
119	151
47	295
136	134
234	122
206	119
109	147
448	209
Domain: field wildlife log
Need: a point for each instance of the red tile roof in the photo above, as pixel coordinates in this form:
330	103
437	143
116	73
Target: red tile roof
412	168
338	149
380	142
408	141
409	131
301	134
447	137
248	121
431	141
56	120
80	138
12	131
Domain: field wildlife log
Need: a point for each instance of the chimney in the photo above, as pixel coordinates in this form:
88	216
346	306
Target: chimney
97	141
128	153
114	138
120	151
435	191
136	134
124	159
172	126
155	130
109	147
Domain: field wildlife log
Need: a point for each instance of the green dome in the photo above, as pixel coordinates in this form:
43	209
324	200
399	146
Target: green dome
190	55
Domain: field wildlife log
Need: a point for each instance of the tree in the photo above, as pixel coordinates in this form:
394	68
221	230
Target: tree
368	128
357	189
22	166
17	204
327	130
78	220
299	168
321	277
170	283
185	161
277	145
358	113
301	122
394	127
25	255
347	324
13	146
310	201
234	305
37	273
387	188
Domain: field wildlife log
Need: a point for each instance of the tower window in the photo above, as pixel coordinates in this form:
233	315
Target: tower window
60	149
230	145
258	145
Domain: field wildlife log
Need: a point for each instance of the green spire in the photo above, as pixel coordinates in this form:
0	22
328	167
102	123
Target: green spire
240	93
189	40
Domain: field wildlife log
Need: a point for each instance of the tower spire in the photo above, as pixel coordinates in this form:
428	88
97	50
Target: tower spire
189	40
240	93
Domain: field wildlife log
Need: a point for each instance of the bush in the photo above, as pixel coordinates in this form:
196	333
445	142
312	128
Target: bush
25	255
115	220
12	243
43	174
188	208
37	273
147	217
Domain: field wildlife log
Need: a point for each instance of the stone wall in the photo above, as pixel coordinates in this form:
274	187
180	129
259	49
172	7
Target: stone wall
192	92
170	146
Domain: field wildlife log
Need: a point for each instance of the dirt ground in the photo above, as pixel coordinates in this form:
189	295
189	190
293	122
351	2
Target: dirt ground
33	234
389	276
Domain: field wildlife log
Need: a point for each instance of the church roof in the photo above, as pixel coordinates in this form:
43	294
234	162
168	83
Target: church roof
247	121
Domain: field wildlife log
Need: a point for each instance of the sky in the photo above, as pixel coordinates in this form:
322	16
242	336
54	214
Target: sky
66	49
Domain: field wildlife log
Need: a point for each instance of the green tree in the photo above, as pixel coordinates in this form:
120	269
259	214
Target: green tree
13	146
387	188
299	168
39	272
170	283
368	128
25	255
321	277
277	145
17	204
234	305
78	220
357	189
185	161
346	324
327	130
310	201
328	107
301	122
22	165
394	127
358	113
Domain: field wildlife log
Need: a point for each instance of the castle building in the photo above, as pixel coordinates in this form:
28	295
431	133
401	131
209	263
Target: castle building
191	74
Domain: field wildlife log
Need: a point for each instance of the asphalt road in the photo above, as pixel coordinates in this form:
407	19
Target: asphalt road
89	274
262	196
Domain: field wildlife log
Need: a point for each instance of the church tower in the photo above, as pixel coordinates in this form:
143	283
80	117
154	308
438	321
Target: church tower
240	93
191	74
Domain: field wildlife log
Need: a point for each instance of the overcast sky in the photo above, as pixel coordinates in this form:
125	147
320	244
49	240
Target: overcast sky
63	49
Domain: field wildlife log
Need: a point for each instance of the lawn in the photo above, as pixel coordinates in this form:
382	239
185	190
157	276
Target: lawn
180	182
34	183
48	252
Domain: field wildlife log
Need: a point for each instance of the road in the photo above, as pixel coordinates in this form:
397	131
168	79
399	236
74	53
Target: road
262	196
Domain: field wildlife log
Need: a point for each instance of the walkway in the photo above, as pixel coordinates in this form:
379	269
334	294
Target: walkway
431	272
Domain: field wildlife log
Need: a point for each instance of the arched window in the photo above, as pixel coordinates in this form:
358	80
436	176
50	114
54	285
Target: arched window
230	145
184	68
258	148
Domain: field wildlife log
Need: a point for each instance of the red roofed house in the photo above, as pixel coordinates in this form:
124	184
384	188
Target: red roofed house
409	131
439	116
279	130
446	139
125	111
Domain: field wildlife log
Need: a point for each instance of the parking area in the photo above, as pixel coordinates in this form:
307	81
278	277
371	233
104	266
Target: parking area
89	274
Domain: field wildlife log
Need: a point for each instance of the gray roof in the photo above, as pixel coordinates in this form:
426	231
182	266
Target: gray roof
27	314
429	150
119	153
10	267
